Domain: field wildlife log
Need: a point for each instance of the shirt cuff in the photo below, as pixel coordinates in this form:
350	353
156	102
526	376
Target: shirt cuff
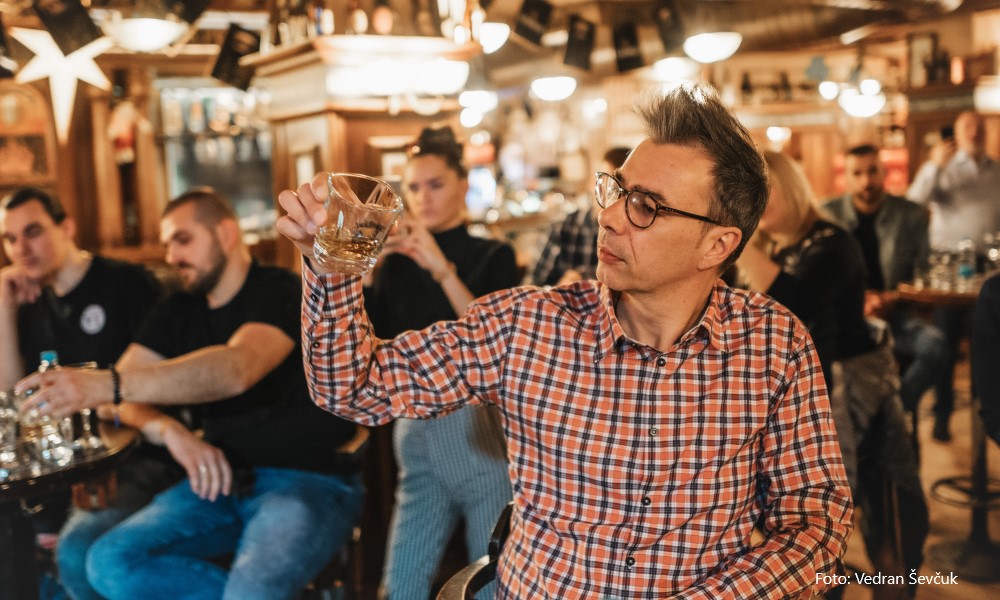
322	293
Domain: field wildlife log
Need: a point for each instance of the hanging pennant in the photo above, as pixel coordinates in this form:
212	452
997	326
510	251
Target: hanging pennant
68	23
533	20
627	55
7	64
188	10
239	42
669	25
580	44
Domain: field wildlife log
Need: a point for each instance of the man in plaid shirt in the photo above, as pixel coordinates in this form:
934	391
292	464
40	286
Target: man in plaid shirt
653	418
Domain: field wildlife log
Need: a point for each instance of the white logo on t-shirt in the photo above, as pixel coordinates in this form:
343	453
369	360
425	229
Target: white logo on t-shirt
92	319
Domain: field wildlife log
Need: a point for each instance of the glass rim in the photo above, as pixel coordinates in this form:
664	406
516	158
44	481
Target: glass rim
397	205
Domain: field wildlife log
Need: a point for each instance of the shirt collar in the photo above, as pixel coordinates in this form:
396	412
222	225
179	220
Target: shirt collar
710	328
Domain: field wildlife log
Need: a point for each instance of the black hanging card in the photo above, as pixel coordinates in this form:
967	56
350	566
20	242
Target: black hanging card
7	64
668	24
580	43
239	42
533	20
188	10
627	53
68	23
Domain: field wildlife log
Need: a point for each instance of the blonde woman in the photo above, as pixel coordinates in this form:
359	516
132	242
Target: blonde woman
816	269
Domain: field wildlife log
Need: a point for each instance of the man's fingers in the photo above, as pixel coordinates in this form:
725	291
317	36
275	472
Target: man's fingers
214	481
293	231
227	478
297	210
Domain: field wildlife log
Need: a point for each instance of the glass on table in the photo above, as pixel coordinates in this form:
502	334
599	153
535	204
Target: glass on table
361	211
8	428
87	440
43	434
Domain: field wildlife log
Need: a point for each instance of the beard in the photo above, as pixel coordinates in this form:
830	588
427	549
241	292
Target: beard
206	279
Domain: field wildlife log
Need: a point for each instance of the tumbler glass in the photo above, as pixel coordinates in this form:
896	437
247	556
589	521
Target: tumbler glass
360	213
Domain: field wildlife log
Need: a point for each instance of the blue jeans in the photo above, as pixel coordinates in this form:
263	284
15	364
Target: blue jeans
281	534
140	478
926	346
951	321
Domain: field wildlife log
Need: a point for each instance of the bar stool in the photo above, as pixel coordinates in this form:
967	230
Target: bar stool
340	579
465	584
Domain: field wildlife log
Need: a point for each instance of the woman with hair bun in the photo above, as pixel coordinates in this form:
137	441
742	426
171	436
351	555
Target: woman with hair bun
452	468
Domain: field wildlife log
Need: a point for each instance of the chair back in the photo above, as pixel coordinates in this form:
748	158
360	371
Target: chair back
465	584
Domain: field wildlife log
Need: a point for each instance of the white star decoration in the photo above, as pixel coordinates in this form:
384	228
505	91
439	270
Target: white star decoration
61	70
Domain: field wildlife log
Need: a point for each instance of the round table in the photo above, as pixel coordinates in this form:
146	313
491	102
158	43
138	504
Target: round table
27	480
975	558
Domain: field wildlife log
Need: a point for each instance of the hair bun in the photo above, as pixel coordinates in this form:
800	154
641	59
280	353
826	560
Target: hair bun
437	140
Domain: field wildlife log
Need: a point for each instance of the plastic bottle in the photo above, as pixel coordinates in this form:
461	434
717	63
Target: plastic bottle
48	359
52	440
965	268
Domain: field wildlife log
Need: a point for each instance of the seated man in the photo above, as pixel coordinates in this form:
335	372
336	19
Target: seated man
55	296
893	235
570	250
267	489
654	418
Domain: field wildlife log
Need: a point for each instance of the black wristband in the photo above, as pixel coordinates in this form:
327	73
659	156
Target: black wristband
116	385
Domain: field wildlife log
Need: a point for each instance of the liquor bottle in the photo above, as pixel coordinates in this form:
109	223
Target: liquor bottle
323	17
357	19
746	89
383	18
426	21
472	23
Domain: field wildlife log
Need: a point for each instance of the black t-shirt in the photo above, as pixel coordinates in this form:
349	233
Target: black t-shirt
868	239
274	423
404	296
822	281
95	321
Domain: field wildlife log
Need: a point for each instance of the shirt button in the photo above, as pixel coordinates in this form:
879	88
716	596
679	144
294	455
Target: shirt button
630	561
661	361
314	297
316	344
653	431
646	501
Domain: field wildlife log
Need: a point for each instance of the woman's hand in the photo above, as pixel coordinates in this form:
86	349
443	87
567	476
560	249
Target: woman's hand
416	241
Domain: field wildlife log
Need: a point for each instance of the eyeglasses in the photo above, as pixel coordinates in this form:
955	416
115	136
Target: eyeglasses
640	209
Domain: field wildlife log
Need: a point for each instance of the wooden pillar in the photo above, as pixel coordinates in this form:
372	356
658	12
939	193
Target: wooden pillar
150	184
110	217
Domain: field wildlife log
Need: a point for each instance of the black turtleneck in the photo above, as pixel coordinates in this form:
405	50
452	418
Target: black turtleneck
404	296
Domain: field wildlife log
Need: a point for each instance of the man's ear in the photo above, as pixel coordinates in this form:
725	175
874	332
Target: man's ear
722	242
68	226
229	234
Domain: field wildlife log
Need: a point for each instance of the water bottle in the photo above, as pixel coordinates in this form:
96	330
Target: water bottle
965	269
49	438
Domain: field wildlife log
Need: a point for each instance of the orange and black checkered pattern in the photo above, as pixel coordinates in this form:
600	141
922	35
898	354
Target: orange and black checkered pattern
636	473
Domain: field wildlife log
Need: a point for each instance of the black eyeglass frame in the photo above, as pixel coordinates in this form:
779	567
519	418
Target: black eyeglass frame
623	191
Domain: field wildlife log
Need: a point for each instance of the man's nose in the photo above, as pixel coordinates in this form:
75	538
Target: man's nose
612	217
18	248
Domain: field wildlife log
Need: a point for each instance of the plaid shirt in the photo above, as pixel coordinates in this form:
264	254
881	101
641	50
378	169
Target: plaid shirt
571	244
636	473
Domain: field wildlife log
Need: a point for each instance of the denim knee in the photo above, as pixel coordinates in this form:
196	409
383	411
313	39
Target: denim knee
109	566
930	345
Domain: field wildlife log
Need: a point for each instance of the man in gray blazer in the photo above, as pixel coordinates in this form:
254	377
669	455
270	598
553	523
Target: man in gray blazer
893	234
